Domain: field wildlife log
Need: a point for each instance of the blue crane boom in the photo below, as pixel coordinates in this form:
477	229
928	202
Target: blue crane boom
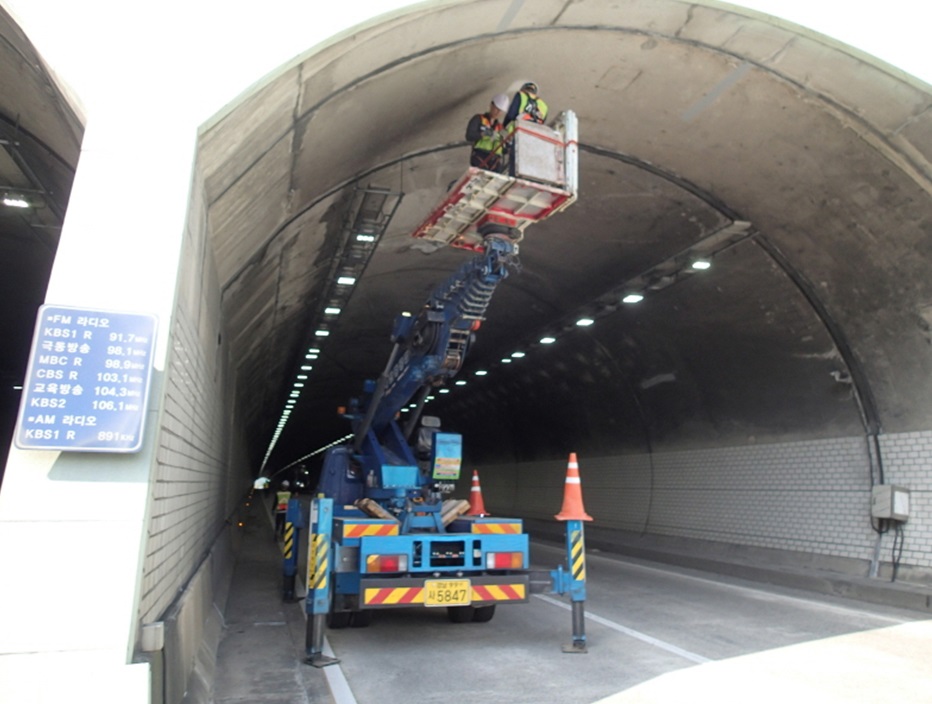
384	533
429	348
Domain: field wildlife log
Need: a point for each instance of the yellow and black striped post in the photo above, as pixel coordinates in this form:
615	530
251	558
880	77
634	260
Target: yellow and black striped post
319	571
294	521
576	584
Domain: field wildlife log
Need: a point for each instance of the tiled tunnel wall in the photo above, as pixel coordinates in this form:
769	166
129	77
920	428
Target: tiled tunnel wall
197	479
809	498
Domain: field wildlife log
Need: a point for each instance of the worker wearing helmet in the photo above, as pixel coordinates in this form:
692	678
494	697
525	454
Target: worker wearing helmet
527	105
484	132
282	497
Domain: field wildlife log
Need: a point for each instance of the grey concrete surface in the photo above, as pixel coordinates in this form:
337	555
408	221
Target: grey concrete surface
656	632
261	652
890	664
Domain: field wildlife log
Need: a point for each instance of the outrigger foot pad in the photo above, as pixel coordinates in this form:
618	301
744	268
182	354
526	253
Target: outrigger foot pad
577	646
320	660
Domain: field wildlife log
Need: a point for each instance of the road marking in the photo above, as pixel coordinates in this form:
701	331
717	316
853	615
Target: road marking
336	680
760	593
757	592
656	642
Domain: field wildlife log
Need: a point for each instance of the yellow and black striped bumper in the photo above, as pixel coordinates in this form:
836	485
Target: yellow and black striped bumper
408	591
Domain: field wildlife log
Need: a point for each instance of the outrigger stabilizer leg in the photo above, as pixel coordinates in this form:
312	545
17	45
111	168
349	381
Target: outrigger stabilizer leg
574	581
317	603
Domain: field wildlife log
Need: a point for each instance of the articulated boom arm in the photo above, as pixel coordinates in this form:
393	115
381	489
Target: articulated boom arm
431	346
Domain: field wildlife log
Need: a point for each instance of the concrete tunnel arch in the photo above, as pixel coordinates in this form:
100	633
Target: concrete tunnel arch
731	124
747	409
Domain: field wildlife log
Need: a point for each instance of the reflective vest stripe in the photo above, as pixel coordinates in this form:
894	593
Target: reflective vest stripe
493	142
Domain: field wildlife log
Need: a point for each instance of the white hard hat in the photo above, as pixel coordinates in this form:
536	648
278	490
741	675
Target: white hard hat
285	484
501	102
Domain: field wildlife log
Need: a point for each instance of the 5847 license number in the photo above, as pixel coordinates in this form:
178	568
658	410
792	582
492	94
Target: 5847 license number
447	592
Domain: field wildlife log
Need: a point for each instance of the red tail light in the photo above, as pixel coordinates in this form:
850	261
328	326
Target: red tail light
504	560
387	563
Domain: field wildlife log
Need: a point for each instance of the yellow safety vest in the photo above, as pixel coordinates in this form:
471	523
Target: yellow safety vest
282	498
534	109
490	142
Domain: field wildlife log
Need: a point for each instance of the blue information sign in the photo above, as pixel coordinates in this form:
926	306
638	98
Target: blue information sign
87	384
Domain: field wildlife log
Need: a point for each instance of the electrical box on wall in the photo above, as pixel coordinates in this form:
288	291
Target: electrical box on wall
889	501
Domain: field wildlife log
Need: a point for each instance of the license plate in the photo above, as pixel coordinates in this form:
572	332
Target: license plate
447	592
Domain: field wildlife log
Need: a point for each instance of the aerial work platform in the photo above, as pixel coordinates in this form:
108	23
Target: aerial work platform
545	181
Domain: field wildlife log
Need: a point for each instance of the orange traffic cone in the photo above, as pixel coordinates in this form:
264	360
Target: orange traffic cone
572	495
476	506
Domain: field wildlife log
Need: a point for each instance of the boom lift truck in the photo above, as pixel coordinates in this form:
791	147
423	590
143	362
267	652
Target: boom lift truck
383	531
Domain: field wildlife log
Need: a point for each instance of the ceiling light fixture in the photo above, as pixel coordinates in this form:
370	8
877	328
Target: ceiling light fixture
547	340
701	264
584	322
13	201
632	298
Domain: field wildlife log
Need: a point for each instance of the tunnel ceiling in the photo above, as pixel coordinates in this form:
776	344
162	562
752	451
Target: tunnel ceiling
803	164
40	137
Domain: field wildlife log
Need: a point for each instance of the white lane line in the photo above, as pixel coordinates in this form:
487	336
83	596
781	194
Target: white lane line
336	680
758	593
656	642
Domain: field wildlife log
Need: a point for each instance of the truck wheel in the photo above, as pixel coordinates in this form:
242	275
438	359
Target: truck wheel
460	614
484	614
361	619
338	619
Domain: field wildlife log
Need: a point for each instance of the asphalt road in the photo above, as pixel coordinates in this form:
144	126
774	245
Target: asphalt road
642	621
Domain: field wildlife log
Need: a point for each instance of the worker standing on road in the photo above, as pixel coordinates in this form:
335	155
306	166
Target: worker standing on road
282	497
484	131
526	105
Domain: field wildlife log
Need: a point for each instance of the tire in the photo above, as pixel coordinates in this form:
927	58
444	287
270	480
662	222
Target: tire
338	619
361	619
484	614
460	614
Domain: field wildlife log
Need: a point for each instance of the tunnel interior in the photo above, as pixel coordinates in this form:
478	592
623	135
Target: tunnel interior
796	166
704	133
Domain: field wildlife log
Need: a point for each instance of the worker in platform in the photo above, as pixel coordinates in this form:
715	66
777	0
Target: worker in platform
282	497
525	105
484	132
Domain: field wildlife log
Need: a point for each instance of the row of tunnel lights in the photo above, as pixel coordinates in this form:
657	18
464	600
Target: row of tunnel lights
630	299
313	353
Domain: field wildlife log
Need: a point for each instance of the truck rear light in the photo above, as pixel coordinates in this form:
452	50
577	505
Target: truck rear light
504	560
387	563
